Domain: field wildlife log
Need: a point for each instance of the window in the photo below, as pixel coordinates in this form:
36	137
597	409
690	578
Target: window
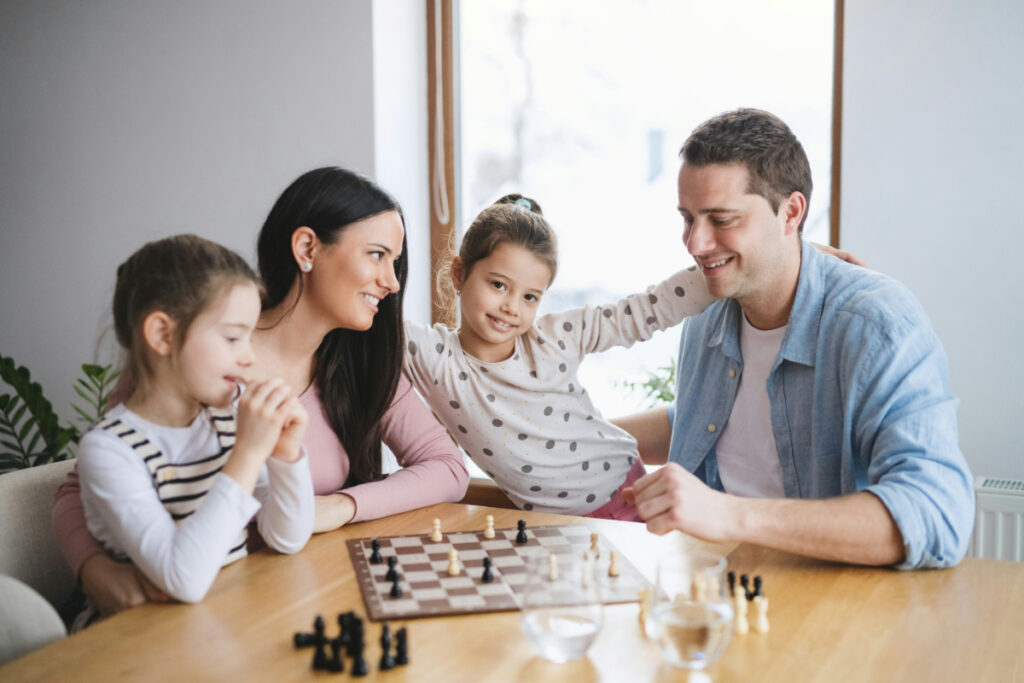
583	105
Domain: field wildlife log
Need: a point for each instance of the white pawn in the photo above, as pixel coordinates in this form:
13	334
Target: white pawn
453	562
594	547
435	535
553	567
489	527
613	563
740	625
761	624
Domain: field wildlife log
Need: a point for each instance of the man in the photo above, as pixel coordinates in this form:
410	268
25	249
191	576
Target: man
814	414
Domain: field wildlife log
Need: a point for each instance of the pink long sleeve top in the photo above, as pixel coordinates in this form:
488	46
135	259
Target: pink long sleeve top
432	471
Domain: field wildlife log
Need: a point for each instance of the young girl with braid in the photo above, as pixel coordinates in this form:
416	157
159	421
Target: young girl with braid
171	477
505	383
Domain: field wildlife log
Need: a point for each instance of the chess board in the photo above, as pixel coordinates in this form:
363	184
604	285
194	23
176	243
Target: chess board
428	590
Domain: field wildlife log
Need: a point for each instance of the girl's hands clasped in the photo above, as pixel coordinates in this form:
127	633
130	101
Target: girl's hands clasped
270	422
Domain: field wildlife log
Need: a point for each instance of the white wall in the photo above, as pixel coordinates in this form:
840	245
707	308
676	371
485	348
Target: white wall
126	120
932	186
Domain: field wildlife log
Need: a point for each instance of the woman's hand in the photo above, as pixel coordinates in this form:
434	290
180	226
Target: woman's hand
839	254
333	511
113	587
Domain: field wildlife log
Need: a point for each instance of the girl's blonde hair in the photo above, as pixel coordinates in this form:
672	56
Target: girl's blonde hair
180	276
513	219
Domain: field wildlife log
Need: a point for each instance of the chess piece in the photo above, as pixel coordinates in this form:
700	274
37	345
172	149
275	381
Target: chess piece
757	585
740	623
453	562
355	628
646	599
435	535
699	587
731	576
375	557
335	664
396	588
320	656
401	647
553	567
521	536
390	576
594	547
613	563
761	624
359	667
386	660
745	582
489	527
487	575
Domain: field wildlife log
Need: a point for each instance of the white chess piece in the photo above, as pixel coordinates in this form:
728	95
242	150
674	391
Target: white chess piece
761	624
553	567
435	535
646	598
489	527
740	625
594	547
613	563
453	562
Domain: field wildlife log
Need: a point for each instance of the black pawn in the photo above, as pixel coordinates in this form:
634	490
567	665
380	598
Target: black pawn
401	647
335	664
359	667
319	640
375	557
732	582
343	629
521	536
487	576
392	561
355	630
386	660
396	588
757	586
745	582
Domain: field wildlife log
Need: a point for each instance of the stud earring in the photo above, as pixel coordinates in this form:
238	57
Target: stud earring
307	266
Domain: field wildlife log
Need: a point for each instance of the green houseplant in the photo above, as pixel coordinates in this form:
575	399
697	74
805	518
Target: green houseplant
31	433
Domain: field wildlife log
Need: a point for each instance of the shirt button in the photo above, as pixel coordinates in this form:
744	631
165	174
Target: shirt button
732	373
711	428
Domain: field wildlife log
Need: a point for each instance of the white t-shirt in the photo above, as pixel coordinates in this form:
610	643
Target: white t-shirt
748	460
124	512
526	421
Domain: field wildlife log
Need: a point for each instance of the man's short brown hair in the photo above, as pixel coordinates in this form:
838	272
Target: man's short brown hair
774	158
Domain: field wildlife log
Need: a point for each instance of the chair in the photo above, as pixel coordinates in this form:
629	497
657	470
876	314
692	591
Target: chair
27	620
28	548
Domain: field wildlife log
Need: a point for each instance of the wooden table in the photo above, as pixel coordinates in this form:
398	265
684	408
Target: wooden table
828	622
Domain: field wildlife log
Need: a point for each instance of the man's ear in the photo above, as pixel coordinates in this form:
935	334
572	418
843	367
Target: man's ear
792	210
304	245
158	331
458	273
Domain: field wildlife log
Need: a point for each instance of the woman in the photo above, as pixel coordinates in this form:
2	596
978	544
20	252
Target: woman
332	256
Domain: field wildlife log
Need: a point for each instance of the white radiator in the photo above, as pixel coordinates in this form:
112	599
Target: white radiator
999	522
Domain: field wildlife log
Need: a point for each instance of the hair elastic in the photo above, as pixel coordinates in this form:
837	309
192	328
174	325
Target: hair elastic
522	201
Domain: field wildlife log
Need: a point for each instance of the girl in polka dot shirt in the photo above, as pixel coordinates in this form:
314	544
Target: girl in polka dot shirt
505	383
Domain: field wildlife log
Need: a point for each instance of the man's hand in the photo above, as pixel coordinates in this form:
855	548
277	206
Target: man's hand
115	586
672	498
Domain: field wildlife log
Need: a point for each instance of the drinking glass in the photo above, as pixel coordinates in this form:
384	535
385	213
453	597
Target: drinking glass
561	616
691	614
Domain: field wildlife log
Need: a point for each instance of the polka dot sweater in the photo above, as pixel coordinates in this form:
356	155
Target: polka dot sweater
526	421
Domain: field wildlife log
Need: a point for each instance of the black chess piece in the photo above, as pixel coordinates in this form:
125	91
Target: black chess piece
375	557
319	640
396	588
745	582
320	656
386	660
359	667
401	647
757	586
731	576
487	575
335	664
521	536
343	630
392	561
355	631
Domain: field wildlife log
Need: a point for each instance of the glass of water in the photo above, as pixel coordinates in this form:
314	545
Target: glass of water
561	605
691	614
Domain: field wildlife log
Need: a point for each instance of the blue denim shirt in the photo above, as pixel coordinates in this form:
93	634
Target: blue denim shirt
859	399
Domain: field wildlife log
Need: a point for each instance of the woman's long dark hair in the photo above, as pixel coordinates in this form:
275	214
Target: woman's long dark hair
356	372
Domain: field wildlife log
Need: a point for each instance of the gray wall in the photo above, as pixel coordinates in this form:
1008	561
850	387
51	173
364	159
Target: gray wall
931	188
125	121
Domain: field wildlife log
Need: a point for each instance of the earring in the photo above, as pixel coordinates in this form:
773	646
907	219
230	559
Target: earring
306	266
458	292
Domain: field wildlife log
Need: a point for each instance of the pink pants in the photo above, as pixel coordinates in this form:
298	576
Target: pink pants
617	507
